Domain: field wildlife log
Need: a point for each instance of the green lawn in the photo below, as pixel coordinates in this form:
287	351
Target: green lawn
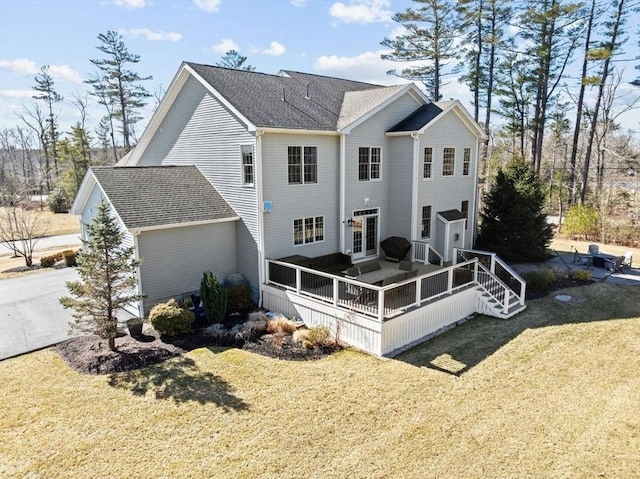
553	392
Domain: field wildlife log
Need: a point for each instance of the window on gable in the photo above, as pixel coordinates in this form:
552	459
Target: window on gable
448	161
247	164
466	161
308	230
427	162
369	160
302	164
426	222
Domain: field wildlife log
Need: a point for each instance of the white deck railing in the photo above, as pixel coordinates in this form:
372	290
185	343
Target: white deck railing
507	276
374	301
424	253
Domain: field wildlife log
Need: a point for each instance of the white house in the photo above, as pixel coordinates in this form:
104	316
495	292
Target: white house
308	173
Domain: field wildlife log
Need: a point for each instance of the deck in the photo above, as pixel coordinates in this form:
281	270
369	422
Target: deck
383	319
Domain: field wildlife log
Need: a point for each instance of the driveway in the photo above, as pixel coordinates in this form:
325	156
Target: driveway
30	315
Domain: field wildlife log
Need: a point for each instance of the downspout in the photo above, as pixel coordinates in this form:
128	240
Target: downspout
136	255
474	222
342	180
414	188
260	214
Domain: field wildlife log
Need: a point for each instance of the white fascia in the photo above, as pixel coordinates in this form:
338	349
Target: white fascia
293	131
137	231
415	184
260	214
343	188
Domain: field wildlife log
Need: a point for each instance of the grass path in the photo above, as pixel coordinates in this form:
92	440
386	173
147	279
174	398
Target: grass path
553	392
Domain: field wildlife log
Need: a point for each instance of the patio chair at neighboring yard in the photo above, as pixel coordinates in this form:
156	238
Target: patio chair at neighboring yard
593	249
628	259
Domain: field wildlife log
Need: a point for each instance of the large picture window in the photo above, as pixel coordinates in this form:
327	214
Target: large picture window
427	162
302	164
247	165
369	159
308	230
448	161
426	222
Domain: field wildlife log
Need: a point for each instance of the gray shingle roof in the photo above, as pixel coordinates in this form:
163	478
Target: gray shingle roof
148	196
452	215
259	96
418	118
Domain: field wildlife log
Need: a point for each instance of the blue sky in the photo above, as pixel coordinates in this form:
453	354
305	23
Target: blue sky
336	38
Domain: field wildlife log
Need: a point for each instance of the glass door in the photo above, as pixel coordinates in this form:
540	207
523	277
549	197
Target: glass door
365	233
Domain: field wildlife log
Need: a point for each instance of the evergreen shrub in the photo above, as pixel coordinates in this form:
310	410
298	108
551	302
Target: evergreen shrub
169	319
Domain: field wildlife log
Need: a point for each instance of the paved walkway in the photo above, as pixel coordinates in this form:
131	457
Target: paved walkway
568	262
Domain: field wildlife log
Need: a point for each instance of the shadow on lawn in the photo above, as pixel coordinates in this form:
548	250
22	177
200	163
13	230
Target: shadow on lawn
460	349
180	380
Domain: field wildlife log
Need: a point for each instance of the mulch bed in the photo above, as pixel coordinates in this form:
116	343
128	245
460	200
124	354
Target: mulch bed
91	354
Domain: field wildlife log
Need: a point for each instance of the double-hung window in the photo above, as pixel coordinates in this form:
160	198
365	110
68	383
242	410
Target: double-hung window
426	222
369	159
308	230
302	164
427	162
247	165
448	161
466	161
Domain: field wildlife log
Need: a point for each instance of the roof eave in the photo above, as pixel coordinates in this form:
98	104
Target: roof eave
181	225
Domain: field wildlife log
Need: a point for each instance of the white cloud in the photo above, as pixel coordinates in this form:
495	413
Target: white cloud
224	45
130	4
361	11
275	49
150	34
298	3
20	66
208	5
17	93
64	73
367	67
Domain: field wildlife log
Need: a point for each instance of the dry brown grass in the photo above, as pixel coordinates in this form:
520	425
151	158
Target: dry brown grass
552	392
59	223
281	324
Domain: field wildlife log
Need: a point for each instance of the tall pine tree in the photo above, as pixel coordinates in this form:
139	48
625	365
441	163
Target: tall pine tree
117	88
429	40
107	270
47	93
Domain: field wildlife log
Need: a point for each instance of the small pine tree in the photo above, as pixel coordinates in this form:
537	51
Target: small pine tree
512	221
107	270
214	297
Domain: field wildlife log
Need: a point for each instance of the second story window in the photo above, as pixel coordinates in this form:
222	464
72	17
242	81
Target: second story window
247	165
302	164
466	161
448	161
427	162
369	159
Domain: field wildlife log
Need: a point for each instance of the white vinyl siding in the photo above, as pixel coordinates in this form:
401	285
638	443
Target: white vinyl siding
391	194
447	194
309	201
174	259
199	130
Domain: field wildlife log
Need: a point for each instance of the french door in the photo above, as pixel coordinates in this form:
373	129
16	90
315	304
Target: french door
365	233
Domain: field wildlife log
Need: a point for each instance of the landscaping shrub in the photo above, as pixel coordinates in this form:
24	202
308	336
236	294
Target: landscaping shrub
581	275
70	257
214	297
540	279
239	299
320	336
49	261
281	324
169	319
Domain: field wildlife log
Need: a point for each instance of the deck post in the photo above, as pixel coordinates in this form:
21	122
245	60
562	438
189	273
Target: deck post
505	308
336	285
380	305
298	280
